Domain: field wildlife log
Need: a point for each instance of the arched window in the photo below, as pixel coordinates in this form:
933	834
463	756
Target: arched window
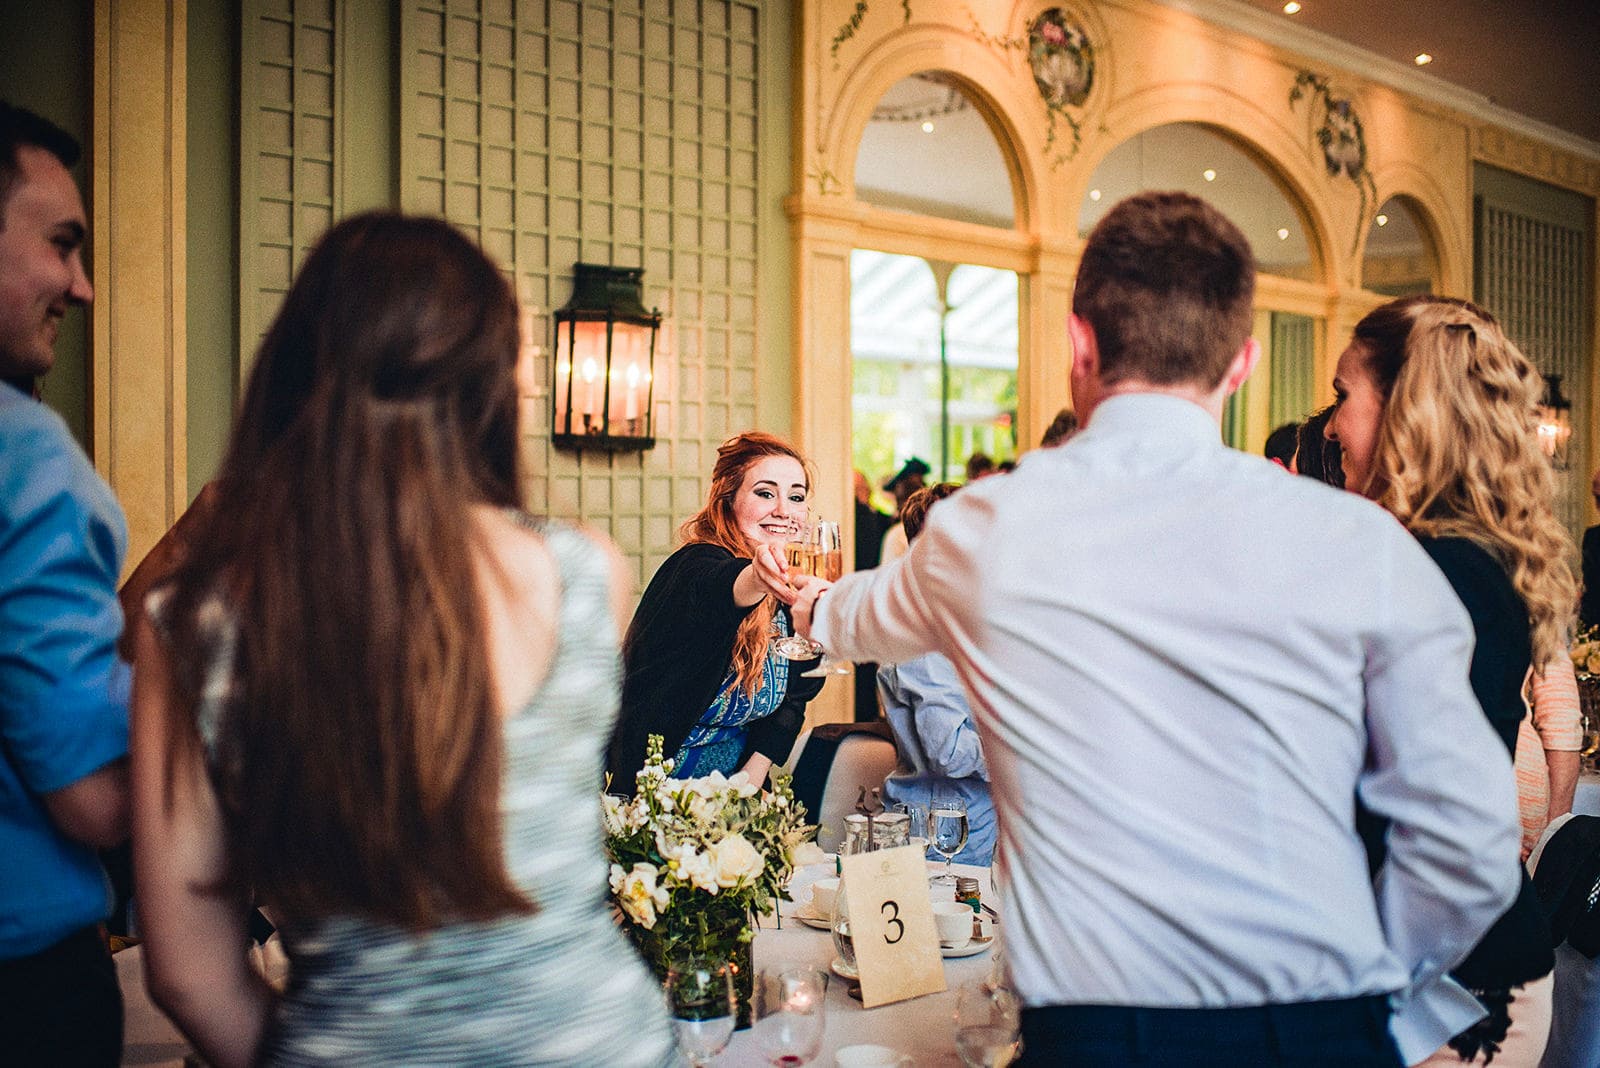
1197	159
1399	259
928	150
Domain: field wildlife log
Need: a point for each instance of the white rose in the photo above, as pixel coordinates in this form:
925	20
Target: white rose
807	853
736	860
639	895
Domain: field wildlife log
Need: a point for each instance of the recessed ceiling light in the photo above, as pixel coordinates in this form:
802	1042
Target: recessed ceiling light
1094	194
1283	233
1423	59
1209	175
1383	220
927	127
1291	8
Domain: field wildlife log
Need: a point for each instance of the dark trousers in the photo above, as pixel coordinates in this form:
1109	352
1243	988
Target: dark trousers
62	1006
1332	1034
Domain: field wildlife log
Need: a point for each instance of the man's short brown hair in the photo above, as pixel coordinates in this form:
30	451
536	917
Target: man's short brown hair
915	513
1167	284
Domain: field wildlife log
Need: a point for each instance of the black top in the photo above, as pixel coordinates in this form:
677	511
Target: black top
1517	948
1589	604
678	651
1499	622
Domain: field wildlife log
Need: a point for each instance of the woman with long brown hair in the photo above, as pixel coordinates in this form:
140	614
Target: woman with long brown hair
375	698
700	670
1435	419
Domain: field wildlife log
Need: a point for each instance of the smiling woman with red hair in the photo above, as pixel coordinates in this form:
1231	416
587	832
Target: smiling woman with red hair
700	671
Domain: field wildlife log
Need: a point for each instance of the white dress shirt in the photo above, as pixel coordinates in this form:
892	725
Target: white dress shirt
1185	662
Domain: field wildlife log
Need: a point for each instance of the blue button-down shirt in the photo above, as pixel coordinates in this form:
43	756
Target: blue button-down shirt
940	754
63	692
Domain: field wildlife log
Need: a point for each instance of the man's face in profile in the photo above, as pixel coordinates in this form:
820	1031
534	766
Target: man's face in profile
41	261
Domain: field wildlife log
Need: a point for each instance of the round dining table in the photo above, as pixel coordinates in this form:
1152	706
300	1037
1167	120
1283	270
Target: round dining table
921	1029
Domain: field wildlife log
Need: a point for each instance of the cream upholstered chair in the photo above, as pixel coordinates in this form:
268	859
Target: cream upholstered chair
831	764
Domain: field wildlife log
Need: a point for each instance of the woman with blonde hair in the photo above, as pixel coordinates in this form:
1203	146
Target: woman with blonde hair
1435	419
700	670
375	697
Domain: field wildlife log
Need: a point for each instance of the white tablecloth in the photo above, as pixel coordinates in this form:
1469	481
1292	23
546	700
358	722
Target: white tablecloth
923	1028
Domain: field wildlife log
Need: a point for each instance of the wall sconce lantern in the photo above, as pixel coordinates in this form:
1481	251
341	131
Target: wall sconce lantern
1554	414
605	362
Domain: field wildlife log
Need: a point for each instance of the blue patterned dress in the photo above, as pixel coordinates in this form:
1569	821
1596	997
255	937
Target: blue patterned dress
717	741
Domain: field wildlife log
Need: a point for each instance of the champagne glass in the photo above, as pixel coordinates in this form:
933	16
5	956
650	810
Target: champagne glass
789	1008
988	1026
800	555
826	560
704	1007
947	826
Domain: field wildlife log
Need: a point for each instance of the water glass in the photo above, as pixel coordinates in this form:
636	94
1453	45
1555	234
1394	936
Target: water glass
988	1026
789	1010
947	827
704	1007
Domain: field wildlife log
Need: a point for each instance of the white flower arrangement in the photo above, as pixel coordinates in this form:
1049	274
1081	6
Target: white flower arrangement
693	859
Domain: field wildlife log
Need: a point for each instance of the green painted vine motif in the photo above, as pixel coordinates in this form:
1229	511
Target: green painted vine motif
1341	138
1060	56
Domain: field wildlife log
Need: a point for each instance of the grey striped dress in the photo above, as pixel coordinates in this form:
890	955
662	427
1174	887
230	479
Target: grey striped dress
561	987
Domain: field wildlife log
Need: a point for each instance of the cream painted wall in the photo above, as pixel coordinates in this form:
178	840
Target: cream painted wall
1154	65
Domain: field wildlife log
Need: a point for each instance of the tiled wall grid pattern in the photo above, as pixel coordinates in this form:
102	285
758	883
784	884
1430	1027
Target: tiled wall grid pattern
287	147
557	131
621	133
1533	275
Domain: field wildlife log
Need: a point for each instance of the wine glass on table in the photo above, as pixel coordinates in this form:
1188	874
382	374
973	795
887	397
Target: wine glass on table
988	1026
789	1010
704	1007
947	827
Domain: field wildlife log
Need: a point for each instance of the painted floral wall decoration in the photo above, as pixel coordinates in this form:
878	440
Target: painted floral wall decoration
1343	142
1059	54
1062	59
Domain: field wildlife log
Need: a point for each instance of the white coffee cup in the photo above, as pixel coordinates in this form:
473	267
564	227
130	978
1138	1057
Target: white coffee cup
868	1056
823	893
954	921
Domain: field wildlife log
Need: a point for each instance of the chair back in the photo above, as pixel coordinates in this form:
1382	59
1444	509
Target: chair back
831	764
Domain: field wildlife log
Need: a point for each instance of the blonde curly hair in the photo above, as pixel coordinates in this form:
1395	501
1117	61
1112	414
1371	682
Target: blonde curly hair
1457	452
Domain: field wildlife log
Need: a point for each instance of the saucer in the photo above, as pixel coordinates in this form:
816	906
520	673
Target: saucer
806	915
972	948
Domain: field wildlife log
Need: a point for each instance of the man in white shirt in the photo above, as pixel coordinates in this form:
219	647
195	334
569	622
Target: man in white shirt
1185	665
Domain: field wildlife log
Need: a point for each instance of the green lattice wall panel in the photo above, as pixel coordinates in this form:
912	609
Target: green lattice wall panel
288	89
609	131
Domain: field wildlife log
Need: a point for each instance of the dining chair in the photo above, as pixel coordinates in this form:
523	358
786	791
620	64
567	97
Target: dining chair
831	764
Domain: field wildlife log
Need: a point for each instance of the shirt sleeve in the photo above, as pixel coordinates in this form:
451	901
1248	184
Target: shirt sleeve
931	690
907	607
1557	716
63	691
1438	772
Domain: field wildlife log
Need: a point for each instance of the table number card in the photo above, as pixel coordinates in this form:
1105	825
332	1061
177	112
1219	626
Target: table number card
891	925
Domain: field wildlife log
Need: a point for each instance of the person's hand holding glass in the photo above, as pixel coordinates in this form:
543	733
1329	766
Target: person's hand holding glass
811	561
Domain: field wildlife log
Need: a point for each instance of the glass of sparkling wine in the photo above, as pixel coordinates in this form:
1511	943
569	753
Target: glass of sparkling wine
704	1007
988	1026
800	555
947	827
826	561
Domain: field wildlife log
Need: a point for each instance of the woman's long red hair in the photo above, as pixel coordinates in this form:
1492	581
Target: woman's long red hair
715	523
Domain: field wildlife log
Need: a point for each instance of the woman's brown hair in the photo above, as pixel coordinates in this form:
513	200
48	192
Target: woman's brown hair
715	523
358	757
